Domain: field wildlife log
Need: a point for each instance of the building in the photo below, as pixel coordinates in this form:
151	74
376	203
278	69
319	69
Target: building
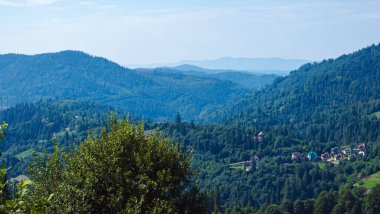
325	156
361	147
296	156
260	136
335	151
338	157
347	151
312	156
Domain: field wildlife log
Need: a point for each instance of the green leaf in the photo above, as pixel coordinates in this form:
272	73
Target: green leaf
10	203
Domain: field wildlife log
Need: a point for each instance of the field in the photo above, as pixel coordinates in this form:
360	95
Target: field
240	166
25	154
370	181
377	114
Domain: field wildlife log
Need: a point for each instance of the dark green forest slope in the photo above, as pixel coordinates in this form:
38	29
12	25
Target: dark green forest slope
153	94
314	88
316	108
334	100
214	147
277	177
31	127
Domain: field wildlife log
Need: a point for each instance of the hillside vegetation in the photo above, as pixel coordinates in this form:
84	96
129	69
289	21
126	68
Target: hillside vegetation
319	107
153	94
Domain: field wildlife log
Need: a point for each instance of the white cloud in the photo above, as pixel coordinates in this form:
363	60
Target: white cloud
27	3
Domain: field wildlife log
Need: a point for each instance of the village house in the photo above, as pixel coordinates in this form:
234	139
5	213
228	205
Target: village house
335	151
260	136
361	147
312	156
338	157
296	156
347	151
325	156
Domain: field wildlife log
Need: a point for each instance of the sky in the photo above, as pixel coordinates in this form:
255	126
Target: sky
138	32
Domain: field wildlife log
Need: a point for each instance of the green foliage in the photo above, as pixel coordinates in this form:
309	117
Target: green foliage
119	171
348	203
277	177
24	202
153	94
272	209
2	133
325	202
319	106
372	202
32	126
370	181
330	101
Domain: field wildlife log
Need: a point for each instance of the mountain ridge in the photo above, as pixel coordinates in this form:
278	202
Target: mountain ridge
274	65
318	96
75	74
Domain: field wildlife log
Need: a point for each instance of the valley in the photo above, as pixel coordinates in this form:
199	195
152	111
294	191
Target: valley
321	109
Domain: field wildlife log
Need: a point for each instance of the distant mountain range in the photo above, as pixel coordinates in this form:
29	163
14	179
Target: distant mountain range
277	66
249	80
150	93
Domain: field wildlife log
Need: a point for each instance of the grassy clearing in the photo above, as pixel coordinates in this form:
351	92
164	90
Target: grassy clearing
377	114
25	154
239	166
370	181
19	178
321	165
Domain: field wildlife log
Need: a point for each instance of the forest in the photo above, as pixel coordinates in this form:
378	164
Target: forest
79	145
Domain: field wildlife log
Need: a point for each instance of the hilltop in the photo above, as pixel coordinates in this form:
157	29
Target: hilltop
334	100
73	74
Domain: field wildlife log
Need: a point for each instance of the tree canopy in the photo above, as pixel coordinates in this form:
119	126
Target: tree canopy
120	170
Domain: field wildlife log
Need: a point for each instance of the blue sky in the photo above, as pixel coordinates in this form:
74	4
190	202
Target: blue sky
144	32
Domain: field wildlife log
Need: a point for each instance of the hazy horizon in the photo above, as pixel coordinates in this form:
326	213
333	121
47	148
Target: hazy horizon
162	32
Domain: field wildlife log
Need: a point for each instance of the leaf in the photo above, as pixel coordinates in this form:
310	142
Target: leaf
25	183
10	203
50	197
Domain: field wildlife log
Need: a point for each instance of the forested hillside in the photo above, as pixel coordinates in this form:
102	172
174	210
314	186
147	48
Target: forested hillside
257	159
334	103
334	100
73	74
335	85
252	81
214	147
277	177
31	127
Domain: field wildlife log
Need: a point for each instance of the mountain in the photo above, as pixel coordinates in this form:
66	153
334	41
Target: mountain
73	74
334	103
265	65
248	80
278	66
193	68
320	106
334	100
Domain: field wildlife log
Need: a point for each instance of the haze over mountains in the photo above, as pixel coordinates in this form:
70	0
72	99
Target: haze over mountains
278	66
